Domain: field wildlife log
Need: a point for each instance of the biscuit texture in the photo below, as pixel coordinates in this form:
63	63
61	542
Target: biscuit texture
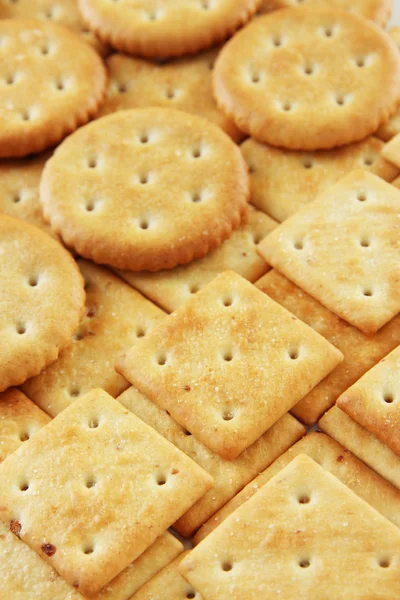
183	84
161	28
333	458
283	181
341	78
115	316
63	12
170	289
54	83
343	250
110	192
41	300
361	352
228	364
374	401
93	489
301	529
376	10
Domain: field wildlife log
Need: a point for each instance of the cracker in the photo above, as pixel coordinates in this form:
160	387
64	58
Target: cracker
168	585
334	458
396	182
362	443
229	476
170	289
125	206
24	575
343	250
391	150
391	127
19	420
115	316
228	364
184	84
283	181
142	570
94	488
19	189
342	78
160	28
41	300
374	401
63	12
361	352
52	83
303	535
376	10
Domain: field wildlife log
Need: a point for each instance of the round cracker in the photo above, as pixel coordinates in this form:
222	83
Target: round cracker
50	83
145	189
376	10
183	84
162	28
41	300
63	12
308	79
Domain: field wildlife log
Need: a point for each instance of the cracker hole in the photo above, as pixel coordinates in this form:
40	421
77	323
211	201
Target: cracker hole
309	69
60	85
227	415
93	423
170	93
153	16
384	563
361	196
304	563
17	197
196	152
78	336
21	328
257	237
74	392
388	397
277	41
196	197
191	595
144	138
24	486
161	480
298	245
328	32
187	432
10	80
227	301
227	356
88	549
49	13
365	242
144	178
308	163
368	161
161	359
194	288
90	482
227	566
294	354
90	206
24	436
33	281
287	106
92	162
205	4
256	78
26	115
340	100
144	223
368	292
45	50
122	88
304	499
140	332
360	62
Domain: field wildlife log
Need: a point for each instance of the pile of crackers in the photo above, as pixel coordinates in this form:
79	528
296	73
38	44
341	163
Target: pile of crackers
199	300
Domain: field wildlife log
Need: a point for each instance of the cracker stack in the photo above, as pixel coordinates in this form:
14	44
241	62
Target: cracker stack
199	309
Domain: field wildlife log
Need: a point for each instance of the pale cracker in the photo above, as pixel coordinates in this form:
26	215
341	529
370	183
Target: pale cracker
168	585
229	476
341	78
343	250
392	127
334	458
41	300
161	28
374	401
110	192
25	576
282	181
94	488
184	84
361	352
362	443
303	535
52	83
376	10
142	570
228	364
63	12
115	316
170	289
19	420
19	189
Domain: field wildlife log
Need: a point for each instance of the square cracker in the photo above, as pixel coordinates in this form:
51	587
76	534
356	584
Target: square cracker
303	535
19	420
168	585
94	488
374	401
392	126
170	289
334	458
115	316
228	364
361	352
25	576
229	476
343	250
142	570
362	443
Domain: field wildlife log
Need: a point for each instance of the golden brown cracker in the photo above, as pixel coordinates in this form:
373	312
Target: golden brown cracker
392	127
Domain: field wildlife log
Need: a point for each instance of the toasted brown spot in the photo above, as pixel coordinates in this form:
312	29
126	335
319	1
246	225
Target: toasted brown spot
187	388
340	458
15	528
49	549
